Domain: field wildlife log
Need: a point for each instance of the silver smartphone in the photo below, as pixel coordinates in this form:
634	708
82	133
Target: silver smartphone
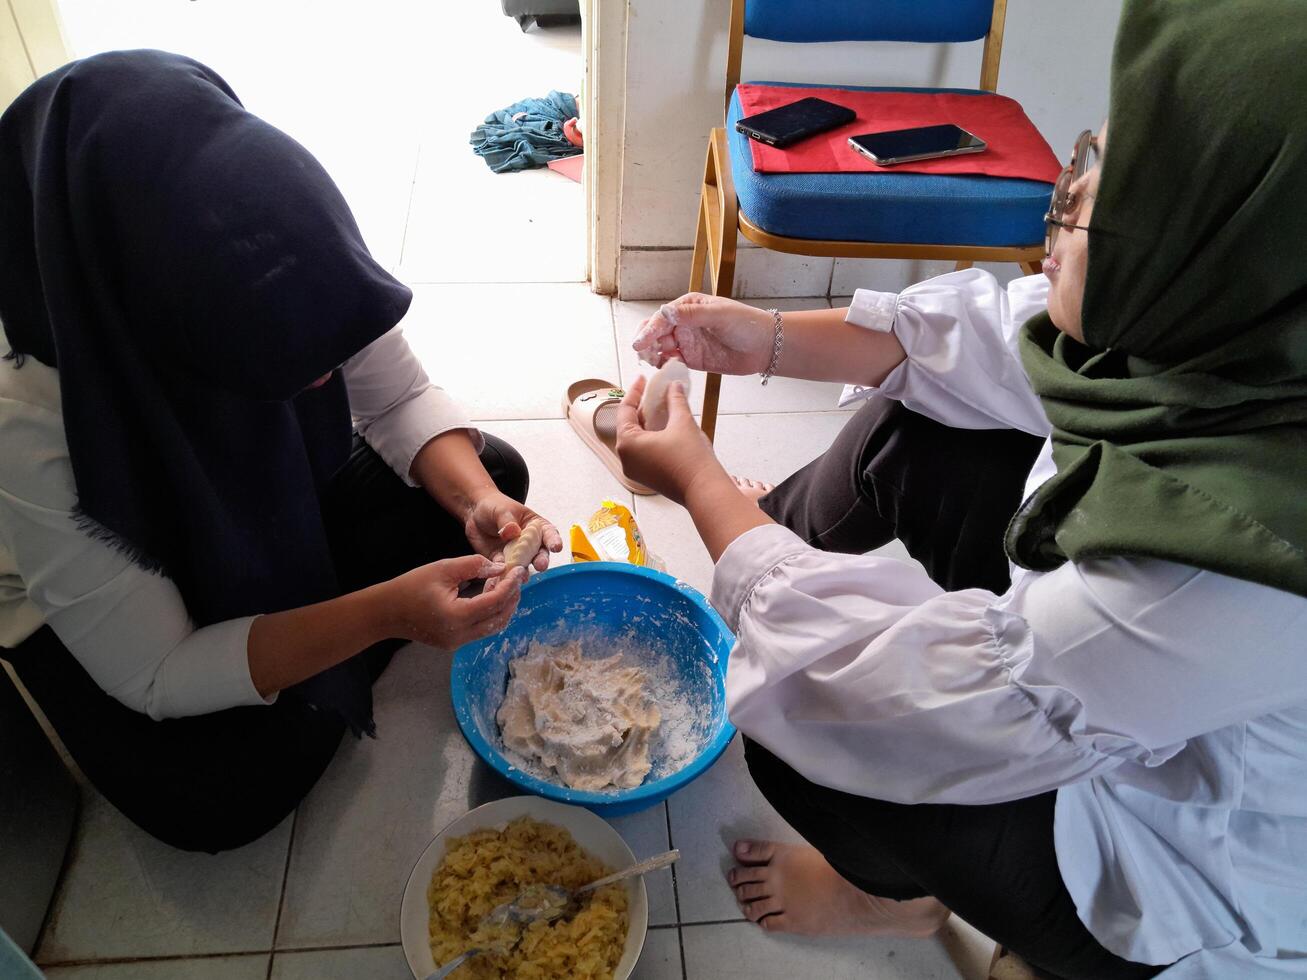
921	143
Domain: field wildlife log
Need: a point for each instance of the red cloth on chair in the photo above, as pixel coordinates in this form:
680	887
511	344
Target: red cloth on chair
1015	147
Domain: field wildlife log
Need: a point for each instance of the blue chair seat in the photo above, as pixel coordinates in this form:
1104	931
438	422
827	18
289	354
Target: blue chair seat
919	209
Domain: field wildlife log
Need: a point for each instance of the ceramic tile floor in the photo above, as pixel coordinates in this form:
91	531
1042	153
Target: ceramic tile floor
501	318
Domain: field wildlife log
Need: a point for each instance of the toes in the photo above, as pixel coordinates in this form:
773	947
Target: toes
752	891
743	874
753	911
775	923
754	851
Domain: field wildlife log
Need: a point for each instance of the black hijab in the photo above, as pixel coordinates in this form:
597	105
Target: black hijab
191	270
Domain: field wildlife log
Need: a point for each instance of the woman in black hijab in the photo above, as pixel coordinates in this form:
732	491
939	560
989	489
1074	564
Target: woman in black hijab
203	566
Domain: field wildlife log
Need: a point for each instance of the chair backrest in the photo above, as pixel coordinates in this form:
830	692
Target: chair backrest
860	20
929	21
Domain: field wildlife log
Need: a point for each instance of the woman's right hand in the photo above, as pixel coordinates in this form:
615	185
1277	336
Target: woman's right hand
708	333
424	605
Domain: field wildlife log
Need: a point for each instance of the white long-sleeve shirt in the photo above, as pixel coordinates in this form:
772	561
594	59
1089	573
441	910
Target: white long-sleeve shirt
129	627
1166	705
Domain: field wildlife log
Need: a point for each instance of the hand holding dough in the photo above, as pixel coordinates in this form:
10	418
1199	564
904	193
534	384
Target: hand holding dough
521	551
653	406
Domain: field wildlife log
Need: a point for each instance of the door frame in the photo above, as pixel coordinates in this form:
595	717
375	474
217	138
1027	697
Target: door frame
31	43
603	40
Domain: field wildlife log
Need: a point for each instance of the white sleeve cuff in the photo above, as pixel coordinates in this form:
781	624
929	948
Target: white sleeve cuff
960	368
208	671
746	561
873	310
399	434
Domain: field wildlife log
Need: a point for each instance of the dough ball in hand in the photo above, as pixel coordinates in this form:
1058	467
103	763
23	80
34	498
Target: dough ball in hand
653	406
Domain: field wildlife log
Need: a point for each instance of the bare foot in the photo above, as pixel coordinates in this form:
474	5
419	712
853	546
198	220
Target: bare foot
791	888
755	490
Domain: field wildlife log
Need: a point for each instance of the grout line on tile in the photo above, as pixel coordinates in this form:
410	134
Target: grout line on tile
70	855
169	958
408	211
718	922
676	891
331	949
285	878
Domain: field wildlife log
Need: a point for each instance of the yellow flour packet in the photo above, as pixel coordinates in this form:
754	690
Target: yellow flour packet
611	534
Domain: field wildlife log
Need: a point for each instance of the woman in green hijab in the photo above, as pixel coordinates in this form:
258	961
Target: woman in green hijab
1098	754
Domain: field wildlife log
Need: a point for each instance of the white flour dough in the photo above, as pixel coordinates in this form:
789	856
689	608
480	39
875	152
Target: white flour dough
654	410
588	720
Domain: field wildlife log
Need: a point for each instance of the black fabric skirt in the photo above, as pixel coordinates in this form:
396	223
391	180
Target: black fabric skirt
218	781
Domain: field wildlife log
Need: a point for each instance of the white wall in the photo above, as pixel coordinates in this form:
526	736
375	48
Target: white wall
31	44
1056	56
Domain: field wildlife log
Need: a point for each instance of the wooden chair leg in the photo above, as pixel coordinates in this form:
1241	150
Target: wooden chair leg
964	264
718	229
712	391
713	386
700	255
1032	268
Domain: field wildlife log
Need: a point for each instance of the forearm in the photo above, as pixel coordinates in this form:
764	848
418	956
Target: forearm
450	469
820	346
720	512
288	647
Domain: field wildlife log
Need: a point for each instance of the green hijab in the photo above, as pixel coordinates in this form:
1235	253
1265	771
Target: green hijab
1180	425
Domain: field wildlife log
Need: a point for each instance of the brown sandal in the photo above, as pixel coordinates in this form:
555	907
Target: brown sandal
591	408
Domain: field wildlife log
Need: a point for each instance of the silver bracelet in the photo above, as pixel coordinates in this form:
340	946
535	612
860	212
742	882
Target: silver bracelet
778	341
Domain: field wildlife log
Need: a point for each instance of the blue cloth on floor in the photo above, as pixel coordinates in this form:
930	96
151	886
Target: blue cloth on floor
526	134
13	964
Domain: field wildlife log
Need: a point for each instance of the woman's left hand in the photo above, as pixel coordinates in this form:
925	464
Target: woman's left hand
495	519
668	460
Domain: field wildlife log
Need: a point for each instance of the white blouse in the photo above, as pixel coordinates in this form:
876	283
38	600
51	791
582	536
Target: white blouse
126	626
1166	705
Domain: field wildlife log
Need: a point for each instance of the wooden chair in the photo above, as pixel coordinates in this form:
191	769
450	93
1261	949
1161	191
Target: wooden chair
1000	221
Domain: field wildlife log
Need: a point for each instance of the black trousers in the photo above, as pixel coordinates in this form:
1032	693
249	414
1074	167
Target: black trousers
948	495
217	781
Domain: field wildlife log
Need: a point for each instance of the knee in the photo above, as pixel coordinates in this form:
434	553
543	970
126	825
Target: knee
232	799
506	467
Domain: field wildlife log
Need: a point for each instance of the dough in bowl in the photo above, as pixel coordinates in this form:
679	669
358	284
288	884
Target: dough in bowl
589	720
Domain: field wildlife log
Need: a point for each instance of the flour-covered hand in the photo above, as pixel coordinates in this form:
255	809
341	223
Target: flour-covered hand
668	460
709	333
426	605
494	519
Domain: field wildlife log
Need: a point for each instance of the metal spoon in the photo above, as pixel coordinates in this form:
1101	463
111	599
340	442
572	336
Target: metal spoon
458	961
461	958
549	902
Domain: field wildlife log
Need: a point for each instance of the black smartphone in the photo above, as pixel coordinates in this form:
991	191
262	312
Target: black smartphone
787	124
921	143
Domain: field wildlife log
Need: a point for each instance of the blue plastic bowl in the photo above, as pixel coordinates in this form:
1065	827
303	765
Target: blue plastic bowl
589	600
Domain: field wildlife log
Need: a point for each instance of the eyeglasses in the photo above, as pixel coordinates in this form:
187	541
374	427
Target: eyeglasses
1063	200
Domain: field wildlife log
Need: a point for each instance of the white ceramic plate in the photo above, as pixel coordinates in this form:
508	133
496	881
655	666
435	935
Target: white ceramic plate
589	831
